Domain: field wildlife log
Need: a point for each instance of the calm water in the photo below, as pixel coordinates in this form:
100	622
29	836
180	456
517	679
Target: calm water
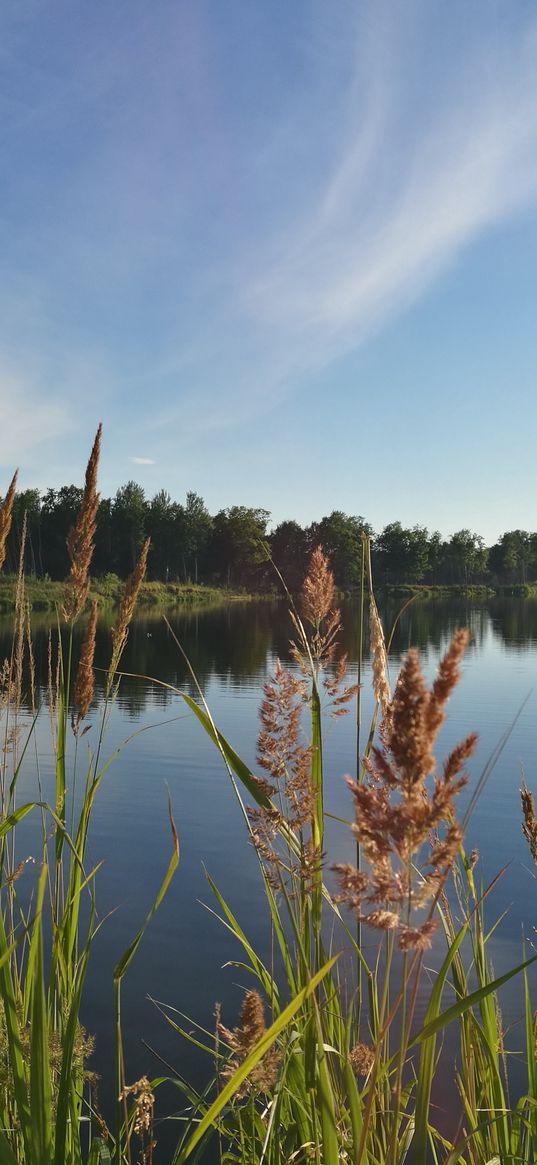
183	958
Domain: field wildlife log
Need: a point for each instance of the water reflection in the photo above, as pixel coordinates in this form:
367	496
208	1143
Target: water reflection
240	640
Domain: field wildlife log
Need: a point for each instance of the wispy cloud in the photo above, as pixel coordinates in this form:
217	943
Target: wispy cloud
142	460
408	141
405	194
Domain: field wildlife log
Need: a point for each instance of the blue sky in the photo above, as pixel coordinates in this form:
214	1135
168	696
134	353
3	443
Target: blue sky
287	252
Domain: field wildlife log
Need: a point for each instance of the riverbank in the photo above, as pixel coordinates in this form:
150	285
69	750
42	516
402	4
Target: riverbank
461	590
47	595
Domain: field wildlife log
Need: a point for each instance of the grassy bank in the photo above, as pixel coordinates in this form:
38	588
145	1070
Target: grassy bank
46	595
462	590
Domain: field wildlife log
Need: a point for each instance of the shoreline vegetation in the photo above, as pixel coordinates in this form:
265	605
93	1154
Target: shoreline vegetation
330	1060
47	594
236	548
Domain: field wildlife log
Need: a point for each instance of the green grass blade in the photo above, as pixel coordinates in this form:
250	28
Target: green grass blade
16	1061
127	957
234	927
7	1156
465	1004
60	771
250	1062
40	1080
67	1104
427	1056
13	819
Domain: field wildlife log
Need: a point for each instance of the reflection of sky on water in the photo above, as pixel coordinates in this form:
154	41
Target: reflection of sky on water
231	651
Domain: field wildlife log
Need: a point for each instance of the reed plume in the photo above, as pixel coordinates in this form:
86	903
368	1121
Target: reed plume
317	633
126	610
397	813
379	660
362	1058
85	678
287	763
529	823
6	512
316	608
80	544
241	1040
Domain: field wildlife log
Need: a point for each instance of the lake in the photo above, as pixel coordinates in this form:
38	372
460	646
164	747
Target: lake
162	748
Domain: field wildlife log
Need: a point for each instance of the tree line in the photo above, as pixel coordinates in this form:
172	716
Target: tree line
234	547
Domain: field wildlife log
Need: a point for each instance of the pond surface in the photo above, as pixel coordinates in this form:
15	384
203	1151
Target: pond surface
233	650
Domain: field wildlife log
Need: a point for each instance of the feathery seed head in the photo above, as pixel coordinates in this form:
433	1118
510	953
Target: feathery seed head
529	823
126	610
6	510
244	1037
84	681
398	811
361	1058
80	538
318	589
379	660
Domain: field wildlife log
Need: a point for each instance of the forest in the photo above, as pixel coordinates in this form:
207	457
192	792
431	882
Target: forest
234	547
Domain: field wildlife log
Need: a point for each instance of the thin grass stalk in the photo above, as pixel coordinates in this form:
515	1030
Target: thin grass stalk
364	541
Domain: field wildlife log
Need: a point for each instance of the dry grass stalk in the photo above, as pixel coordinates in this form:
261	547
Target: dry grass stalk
6	510
529	824
144	1104
80	539
397	813
241	1040
379	660
31	659
85	678
50	688
19	629
126	610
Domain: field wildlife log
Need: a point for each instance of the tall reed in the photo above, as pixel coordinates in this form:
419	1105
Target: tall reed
47	1108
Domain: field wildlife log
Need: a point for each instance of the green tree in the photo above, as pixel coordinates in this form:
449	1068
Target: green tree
26	503
467	557
59	509
289	549
512	558
129	514
198	526
160	525
238	545
341	538
402	554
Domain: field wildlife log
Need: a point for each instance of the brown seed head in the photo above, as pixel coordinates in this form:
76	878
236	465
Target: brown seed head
6	510
529	823
379	661
80	538
318	589
144	1101
126	610
244	1037
362	1058
399	812
84	677
447	678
